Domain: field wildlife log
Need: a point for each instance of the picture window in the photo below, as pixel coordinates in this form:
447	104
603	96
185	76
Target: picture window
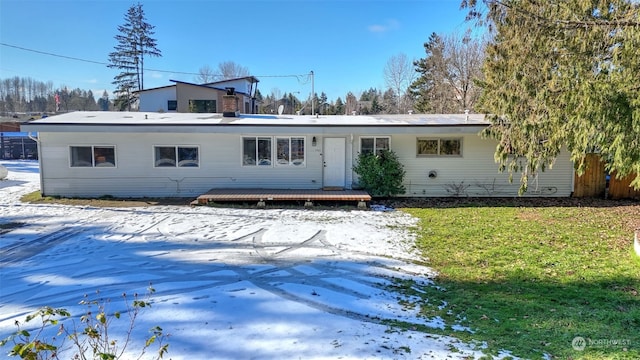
439	147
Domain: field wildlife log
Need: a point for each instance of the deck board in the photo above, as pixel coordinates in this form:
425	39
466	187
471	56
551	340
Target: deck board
223	195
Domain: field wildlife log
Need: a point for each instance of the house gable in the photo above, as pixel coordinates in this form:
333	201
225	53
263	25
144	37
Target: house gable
189	97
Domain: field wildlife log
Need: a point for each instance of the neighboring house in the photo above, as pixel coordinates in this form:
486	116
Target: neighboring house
136	154
15	144
199	98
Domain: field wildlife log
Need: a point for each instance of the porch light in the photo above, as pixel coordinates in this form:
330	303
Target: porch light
314	141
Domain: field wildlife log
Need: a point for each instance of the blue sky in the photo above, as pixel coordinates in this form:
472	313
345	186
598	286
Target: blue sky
346	43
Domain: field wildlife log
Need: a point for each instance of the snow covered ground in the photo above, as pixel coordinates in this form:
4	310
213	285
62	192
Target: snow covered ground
230	283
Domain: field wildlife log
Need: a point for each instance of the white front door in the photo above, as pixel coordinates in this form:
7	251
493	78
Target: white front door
334	157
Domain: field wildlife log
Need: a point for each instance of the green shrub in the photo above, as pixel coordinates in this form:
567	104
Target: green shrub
380	174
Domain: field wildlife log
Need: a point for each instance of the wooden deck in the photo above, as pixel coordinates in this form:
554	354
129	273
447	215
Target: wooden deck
261	196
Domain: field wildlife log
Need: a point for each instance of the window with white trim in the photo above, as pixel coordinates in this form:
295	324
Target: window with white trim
273	151
374	144
439	147
175	156
289	151
92	156
256	151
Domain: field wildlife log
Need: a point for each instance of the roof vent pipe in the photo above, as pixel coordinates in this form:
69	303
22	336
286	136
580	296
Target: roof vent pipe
466	118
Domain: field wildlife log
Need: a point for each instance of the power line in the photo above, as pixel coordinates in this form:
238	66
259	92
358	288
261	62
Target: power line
147	69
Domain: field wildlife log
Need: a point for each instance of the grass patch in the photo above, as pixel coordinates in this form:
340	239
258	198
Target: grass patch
530	279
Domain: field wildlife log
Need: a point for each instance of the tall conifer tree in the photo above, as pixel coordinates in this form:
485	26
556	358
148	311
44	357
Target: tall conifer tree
134	43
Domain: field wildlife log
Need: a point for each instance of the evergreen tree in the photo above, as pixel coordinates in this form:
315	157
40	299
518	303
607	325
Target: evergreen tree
134	44
376	108
339	107
103	102
389	101
322	103
562	73
429	85
447	74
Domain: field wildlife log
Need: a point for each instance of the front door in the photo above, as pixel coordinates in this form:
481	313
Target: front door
334	158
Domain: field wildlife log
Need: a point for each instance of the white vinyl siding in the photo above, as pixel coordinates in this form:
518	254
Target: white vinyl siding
136	176
221	166
474	173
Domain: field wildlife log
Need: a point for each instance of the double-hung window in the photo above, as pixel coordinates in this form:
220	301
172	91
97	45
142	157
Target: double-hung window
256	151
273	151
290	151
92	156
176	156
374	144
439	147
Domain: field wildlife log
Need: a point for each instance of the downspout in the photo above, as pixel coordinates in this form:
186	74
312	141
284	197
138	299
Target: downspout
37	140
350	162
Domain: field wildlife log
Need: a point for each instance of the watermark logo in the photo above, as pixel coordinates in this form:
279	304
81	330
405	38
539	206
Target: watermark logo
579	343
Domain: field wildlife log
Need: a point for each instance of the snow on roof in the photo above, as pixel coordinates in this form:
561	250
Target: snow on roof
177	119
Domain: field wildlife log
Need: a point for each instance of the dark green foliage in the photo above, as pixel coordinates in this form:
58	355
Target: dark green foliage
558	75
380	174
135	43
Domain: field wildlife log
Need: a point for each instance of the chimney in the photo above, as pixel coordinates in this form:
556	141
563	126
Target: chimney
230	103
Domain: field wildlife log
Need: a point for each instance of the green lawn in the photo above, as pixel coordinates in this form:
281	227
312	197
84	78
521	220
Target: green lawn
530	279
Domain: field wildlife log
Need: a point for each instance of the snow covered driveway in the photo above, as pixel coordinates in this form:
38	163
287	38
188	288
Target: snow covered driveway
230	283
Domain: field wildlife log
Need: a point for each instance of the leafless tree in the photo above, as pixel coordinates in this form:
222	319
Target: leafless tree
465	57
231	70
225	70
398	75
205	75
351	103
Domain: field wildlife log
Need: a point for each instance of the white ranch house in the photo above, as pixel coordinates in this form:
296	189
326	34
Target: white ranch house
151	154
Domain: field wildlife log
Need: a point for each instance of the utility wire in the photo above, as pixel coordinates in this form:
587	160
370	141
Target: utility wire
106	64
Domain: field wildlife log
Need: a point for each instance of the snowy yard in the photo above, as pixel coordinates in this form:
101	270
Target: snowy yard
230	283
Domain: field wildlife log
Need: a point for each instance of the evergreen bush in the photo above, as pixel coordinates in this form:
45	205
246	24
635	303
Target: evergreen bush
381	174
